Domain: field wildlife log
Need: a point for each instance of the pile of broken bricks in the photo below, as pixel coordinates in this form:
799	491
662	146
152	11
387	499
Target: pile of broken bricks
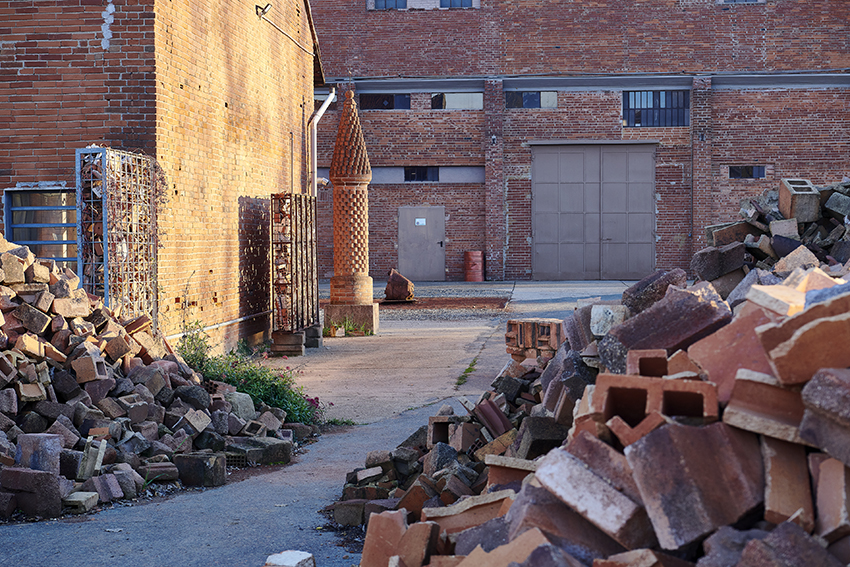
669	428
798	224
94	408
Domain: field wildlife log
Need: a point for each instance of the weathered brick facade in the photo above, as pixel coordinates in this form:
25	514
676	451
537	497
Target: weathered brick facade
767	82
218	96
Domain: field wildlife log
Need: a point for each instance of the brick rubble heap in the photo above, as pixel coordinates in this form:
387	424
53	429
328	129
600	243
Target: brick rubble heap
702	424
93	407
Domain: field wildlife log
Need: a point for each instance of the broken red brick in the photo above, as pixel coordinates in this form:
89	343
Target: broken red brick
759	403
647	362
787	491
731	348
702	466
621	518
675	322
833	498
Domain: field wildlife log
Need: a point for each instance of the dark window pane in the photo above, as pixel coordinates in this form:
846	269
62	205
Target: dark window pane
531	99
438	101
656	108
746	172
513	99
380	4
381	101
421	173
402	101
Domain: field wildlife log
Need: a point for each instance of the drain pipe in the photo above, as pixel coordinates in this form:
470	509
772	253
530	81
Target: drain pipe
314	121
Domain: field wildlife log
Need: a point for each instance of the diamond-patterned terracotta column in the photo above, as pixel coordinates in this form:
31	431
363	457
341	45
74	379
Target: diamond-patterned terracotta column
350	174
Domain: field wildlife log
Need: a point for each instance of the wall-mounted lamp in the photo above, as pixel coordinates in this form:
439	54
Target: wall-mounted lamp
261	12
493	140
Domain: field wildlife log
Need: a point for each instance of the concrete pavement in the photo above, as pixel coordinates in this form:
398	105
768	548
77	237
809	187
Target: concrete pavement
409	363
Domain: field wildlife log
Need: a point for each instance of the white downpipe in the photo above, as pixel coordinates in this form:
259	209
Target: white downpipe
314	161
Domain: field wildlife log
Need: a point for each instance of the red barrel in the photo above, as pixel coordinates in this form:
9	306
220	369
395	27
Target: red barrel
473	266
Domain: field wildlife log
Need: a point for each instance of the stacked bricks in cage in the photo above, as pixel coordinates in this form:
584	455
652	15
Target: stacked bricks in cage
530	338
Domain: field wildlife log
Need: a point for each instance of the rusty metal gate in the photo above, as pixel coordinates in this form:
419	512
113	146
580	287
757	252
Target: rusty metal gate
295	282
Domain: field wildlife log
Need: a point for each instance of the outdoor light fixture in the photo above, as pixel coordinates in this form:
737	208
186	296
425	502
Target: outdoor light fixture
261	12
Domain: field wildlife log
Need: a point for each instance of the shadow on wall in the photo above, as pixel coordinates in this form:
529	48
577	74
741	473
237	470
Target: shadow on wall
254	269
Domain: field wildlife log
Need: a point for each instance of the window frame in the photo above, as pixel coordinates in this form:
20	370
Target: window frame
385	5
9	210
436	95
635	108
463	4
754	171
404	98
530	99
430	172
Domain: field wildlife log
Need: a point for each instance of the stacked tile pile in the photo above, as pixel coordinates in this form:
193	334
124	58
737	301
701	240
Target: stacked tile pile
670	428
93	407
799	220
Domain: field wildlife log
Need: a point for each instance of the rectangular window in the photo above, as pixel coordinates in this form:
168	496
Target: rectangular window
746	172
531	99
741	1
455	3
380	101
421	174
44	219
457	101
390	4
656	108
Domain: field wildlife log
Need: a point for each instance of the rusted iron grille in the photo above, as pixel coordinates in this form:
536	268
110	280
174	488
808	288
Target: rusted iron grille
115	198
295	283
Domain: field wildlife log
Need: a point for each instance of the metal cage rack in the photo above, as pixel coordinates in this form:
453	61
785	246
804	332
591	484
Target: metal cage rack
117	229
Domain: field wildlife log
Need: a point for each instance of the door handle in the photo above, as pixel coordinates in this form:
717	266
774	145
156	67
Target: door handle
440	243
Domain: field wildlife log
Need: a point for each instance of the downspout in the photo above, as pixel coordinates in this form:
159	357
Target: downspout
314	121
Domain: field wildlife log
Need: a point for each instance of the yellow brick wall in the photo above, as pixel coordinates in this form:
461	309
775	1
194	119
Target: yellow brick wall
233	97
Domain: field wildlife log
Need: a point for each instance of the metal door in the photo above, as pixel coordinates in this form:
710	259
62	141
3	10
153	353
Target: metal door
628	212
421	243
593	212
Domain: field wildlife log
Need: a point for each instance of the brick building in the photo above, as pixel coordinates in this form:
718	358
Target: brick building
218	96
577	139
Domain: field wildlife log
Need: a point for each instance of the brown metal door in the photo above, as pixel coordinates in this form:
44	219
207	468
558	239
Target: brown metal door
628	212
421	243
565	211
592	212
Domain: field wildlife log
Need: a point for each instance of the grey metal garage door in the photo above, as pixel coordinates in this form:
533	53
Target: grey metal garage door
593	212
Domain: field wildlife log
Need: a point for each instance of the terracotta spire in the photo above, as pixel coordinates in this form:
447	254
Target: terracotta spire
350	161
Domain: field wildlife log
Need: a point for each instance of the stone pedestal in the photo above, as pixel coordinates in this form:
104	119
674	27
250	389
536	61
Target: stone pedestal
360	316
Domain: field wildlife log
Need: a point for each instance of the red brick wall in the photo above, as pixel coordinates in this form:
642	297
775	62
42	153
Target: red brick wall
795	133
513	37
234	97
464	219
65	91
792	131
218	96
